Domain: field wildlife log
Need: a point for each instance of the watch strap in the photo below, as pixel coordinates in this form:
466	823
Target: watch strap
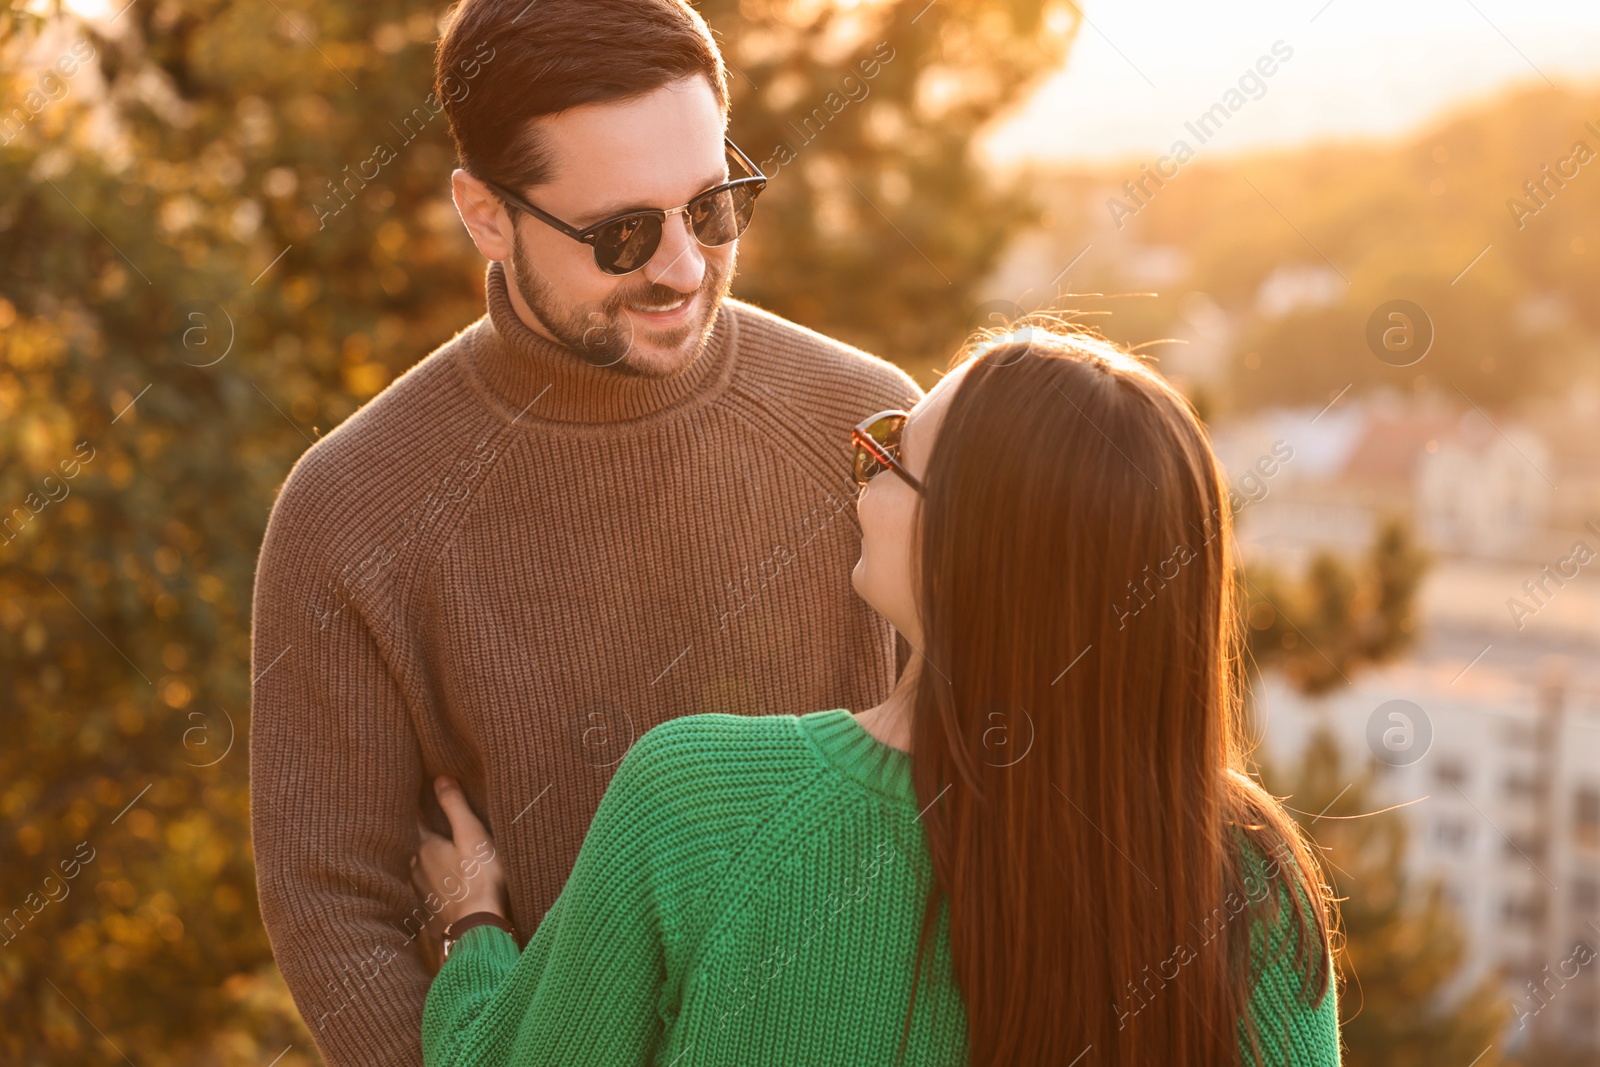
453	932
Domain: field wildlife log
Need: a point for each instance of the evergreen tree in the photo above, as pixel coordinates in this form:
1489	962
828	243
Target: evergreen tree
1399	944
1340	617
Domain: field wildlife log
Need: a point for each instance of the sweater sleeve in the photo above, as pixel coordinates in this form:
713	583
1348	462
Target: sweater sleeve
1294	1033
1294	1030
588	988
334	777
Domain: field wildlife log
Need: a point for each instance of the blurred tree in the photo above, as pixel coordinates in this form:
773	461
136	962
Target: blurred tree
881	222
1538	1054
1319	630
185	306
1401	943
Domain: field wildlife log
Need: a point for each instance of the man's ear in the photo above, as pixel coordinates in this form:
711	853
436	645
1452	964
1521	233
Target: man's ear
483	215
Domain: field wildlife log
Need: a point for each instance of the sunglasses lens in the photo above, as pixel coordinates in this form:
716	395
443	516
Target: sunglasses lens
628	243
885	437
886	432
866	465
722	216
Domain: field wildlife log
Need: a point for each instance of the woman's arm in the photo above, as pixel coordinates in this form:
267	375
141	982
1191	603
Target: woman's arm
1296	1032
1294	1029
587	988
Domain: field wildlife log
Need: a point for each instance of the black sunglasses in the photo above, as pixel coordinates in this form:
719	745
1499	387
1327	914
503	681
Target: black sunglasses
625	243
877	446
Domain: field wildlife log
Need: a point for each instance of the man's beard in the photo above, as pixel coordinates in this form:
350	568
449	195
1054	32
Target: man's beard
602	333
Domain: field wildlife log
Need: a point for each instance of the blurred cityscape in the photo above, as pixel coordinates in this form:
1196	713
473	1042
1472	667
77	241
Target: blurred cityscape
1486	732
1498	707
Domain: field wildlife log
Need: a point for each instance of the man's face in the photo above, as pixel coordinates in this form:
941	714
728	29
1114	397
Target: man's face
654	151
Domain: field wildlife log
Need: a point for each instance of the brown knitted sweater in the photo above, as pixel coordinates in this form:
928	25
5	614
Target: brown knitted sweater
506	567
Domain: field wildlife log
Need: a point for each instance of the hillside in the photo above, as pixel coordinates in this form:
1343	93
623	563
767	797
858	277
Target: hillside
1272	265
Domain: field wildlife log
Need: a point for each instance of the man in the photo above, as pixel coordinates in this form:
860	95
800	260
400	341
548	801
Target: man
619	497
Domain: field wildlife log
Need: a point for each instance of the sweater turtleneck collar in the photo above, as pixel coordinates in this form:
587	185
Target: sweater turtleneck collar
546	380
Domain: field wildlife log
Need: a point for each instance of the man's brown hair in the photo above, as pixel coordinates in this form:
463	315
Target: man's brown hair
502	63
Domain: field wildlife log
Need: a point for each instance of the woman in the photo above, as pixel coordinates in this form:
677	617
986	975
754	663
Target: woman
1040	849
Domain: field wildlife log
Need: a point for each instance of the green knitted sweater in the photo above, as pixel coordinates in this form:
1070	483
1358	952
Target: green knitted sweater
748	893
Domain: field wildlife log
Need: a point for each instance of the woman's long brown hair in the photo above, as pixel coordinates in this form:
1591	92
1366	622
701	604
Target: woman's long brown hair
1081	698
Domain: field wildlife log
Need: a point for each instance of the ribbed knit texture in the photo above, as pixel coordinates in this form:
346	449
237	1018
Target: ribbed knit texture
750	893
507	567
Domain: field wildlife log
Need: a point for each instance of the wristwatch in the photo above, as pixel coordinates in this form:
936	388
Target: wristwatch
453	932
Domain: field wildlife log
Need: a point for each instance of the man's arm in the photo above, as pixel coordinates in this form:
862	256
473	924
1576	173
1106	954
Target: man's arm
334	776
587	989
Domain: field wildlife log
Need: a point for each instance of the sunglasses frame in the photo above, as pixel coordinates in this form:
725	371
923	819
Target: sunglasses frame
590	235
863	440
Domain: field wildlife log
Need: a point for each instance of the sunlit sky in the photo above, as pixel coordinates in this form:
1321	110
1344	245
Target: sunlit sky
1141	68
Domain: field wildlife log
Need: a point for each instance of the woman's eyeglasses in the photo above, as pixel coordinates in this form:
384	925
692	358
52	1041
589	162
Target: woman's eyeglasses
624	243
877	444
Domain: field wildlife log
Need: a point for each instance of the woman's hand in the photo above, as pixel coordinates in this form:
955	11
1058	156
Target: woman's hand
463	870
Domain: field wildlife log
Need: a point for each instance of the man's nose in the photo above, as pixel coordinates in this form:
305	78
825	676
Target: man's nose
679	263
